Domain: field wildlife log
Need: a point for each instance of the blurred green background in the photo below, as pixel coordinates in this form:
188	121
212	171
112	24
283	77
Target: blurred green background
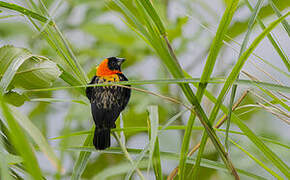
96	30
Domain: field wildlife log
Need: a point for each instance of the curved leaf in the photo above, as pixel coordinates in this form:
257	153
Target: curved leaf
20	68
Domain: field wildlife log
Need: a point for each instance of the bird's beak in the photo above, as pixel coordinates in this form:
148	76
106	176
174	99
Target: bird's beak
120	61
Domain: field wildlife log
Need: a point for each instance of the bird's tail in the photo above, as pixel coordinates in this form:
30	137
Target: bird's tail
102	139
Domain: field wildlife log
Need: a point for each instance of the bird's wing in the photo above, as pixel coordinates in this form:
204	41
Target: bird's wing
89	90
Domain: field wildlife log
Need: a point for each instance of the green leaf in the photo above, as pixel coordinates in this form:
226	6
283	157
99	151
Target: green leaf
266	151
253	17
153	14
178	127
53	100
20	68
206	74
82	159
276	46
144	151
256	160
194	81
117	170
12	159
157	161
238	66
108	33
10	61
236	70
21	143
240	26
4	169
154	154
53	36
174	156
37	137
24	11
14	98
278	13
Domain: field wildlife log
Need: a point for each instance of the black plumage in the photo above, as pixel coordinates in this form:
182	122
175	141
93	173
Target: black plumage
107	102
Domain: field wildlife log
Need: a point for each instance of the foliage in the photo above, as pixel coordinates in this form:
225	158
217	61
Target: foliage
48	53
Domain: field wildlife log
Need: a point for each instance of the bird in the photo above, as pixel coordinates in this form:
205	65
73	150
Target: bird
107	102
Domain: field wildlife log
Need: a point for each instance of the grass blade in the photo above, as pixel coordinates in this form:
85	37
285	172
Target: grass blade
117	170
278	13
266	151
4	168
154	16
194	81
127	155
256	160
241	61
154	154
174	156
207	71
37	136
177	127
253	17
24	11
157	161
236	70
21	144
279	50
82	160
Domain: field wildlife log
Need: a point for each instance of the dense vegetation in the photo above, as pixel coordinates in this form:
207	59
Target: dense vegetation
205	104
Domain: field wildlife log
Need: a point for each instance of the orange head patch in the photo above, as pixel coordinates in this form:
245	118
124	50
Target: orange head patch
104	70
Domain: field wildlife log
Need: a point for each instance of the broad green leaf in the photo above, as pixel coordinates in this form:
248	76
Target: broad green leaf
20	68
53	36
10	60
15	99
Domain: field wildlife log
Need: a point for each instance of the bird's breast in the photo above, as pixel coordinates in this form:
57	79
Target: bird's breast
108	97
110	78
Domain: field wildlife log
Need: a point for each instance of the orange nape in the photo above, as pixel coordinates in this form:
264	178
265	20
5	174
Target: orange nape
103	69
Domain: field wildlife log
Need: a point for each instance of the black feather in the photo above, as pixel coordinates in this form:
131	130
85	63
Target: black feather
102	139
107	102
